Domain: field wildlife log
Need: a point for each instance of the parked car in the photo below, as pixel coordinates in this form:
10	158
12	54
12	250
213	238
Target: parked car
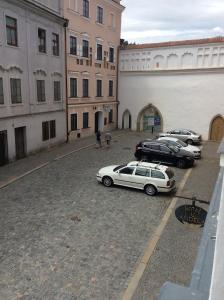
161	152
145	176
182	145
185	135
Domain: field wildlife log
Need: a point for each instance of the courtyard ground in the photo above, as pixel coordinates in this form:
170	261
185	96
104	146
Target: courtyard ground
64	236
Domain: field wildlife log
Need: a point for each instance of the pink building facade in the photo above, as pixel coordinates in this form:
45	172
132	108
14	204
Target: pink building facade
93	38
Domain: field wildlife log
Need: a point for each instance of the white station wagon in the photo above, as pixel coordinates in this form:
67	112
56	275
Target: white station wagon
151	178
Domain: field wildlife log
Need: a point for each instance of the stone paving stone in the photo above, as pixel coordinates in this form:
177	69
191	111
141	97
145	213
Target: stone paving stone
65	236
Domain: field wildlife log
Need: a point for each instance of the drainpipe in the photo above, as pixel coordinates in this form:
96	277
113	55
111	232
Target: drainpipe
118	53
66	80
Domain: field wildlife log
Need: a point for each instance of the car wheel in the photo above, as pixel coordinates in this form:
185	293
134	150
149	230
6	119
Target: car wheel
107	181
181	164
189	142
150	190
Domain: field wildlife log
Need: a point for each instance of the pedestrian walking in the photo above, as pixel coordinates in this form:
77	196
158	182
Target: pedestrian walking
108	138
98	138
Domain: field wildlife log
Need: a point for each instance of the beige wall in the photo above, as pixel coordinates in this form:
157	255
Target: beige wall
106	34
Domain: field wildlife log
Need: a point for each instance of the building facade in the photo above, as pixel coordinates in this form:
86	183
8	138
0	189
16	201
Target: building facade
32	72
93	38
173	85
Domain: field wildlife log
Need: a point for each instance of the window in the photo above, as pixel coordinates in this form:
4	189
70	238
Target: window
85	120
11	31
45	131
73	122
15	85
85	48
86	8
42	40
85	87
111	55
111	83
41	91
48	130
127	170
73	87
55	44
99	52
1	92
73	45
52	129
141	171
99	15
111	116
164	149
57	91
99	88
157	174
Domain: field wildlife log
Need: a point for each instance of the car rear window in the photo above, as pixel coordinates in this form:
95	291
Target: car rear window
169	173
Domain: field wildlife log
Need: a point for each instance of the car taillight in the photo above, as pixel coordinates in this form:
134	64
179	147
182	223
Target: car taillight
168	183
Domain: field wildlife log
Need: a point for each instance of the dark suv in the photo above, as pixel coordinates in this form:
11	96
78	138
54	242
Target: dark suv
162	152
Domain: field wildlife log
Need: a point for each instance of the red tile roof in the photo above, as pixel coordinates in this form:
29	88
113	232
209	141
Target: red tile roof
218	39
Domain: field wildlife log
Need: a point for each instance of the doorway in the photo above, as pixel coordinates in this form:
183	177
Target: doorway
217	129
150	119
98	121
20	141
126	120
3	148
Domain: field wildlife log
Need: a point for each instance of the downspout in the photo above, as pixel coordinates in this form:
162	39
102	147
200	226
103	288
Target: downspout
66	81
118	53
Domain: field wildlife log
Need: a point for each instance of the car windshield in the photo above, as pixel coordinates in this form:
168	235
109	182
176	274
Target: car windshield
182	143
174	148
192	132
169	173
119	167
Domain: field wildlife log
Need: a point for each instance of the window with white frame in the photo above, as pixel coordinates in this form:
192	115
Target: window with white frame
99	52
73	87
15	85
57	91
1	92
73	45
85	8
111	55
11	31
99	88
99	15
85	120
48	130
111	87
55	44
42	40
85	87
85	48
41	91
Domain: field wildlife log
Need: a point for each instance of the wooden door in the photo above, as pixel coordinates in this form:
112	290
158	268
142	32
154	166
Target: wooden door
20	141
3	147
217	129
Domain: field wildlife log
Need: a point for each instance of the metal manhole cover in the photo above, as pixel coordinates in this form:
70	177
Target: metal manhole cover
191	214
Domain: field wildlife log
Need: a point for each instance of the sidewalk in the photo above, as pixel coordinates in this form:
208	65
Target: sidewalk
17	169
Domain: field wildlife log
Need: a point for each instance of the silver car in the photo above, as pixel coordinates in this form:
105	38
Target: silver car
186	135
180	144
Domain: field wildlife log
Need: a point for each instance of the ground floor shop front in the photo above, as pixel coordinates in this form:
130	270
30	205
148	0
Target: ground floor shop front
86	120
22	135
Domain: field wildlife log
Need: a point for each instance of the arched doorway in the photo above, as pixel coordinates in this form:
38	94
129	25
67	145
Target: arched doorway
217	128
150	119
98	121
126	120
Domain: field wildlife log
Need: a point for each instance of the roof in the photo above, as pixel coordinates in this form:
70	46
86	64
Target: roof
218	39
147	165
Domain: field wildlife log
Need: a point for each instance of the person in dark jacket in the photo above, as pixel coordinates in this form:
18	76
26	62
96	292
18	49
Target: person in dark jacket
98	138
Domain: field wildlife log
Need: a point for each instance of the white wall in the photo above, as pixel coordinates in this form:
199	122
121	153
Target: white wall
186	97
25	62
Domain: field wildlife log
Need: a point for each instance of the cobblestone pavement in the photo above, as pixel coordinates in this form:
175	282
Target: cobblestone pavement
63	236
